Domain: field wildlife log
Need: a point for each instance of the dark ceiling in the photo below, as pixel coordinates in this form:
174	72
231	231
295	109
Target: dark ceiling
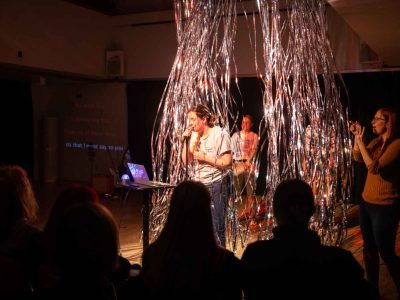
124	7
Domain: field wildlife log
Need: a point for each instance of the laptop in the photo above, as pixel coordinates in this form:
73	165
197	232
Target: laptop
140	176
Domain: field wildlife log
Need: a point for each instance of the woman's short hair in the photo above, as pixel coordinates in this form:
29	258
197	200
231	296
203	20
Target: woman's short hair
250	117
203	111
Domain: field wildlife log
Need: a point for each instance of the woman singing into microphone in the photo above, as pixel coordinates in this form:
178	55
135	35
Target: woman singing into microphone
210	147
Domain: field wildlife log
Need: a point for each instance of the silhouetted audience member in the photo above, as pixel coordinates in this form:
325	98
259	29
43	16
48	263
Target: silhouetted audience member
73	196
19	240
294	264
186	261
85	253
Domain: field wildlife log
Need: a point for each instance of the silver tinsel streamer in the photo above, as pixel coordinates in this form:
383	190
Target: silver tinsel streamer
305	122
201	73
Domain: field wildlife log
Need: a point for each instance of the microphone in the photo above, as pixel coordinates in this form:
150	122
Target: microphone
186	137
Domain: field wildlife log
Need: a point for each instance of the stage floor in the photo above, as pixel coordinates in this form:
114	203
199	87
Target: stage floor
128	214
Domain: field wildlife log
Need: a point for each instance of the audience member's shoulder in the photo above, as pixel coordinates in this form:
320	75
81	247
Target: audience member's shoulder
255	250
227	255
337	252
227	261
257	246
341	258
345	269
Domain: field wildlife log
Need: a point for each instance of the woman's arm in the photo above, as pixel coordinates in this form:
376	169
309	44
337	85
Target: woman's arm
354	127
224	161
359	134
391	154
192	141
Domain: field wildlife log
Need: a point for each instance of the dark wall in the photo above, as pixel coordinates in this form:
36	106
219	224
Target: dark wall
370	91
16	124
249	100
143	100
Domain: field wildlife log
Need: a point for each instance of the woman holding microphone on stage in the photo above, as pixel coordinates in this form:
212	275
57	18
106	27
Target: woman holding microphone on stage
210	147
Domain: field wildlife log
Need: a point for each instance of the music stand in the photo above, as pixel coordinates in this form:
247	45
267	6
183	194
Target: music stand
147	192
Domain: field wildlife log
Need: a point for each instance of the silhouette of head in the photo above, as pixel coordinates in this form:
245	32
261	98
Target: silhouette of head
247	123
18	203
386	122
72	196
189	219
293	203
187	243
87	241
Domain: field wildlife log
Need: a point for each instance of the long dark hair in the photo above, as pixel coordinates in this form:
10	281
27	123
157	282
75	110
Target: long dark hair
187	240
390	115
18	204
392	128
203	111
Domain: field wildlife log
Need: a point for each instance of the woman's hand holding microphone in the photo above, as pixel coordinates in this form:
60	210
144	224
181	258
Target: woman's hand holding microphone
358	131
187	133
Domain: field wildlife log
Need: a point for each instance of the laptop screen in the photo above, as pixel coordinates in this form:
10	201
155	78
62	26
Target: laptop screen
138	172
